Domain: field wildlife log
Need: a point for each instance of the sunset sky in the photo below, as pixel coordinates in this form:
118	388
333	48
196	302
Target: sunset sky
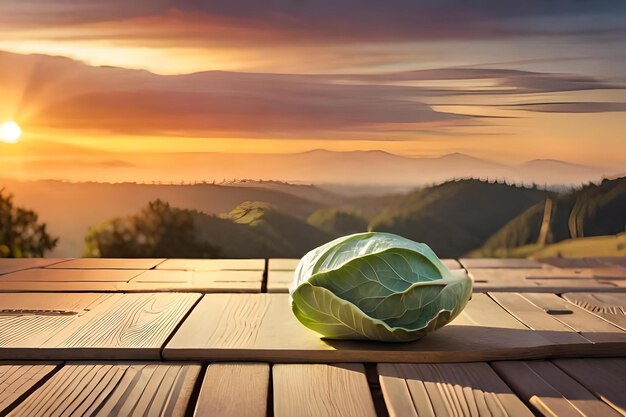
94	83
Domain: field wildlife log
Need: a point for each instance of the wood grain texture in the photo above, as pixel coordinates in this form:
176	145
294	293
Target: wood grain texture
71	275
546	280
28	320
261	327
611	307
105	389
89	326
550	390
603	377
539	320
587	324
472	389
126	326
499	263
234	390
321	391
108	263
213	264
197	281
18	380
17	264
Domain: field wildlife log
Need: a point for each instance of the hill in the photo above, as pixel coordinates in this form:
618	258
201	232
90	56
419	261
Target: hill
456	217
582	247
251	230
280	234
585	247
305	191
338	222
70	209
593	210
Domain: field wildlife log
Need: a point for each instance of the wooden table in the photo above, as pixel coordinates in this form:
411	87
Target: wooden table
217	337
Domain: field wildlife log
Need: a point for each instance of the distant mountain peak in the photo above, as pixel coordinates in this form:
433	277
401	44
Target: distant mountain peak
548	161
355	152
458	155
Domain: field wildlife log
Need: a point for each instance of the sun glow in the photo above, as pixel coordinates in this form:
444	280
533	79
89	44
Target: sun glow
10	132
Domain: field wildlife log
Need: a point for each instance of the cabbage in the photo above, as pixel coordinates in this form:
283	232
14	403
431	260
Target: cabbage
376	286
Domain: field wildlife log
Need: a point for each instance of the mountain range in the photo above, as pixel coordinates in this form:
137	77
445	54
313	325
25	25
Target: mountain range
362	168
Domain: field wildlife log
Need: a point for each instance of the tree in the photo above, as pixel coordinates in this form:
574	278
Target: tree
21	235
157	231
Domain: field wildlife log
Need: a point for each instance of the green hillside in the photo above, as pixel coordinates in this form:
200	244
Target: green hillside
338	222
612	245
456	217
70	209
281	235
594	210
251	230
585	247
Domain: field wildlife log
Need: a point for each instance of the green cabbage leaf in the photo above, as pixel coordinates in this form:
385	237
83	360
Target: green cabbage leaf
376	286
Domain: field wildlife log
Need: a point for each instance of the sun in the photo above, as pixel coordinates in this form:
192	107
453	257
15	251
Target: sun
10	132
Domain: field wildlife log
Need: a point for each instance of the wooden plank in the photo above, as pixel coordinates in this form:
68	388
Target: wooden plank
280	273
282	264
561	285
213	264
62	286
28	320
234	390
197	281
18	380
447	390
537	319
290	264
71	275
560	273
610	273
546	280
587	324
262	327
126	326
550	390
109	389
452	263
603	377
108	263
89	326
17	264
321	391
522	274
499	263
548	288
578	262
279	281
611	307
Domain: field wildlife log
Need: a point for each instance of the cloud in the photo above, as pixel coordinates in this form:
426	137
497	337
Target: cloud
571	107
59	93
212	22
508	80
